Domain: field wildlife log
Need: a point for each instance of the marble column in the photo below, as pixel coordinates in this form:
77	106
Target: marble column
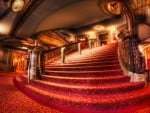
34	63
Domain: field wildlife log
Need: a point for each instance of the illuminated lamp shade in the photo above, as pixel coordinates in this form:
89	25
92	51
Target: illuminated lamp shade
18	5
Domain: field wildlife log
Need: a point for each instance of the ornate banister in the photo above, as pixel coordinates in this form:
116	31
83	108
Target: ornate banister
128	45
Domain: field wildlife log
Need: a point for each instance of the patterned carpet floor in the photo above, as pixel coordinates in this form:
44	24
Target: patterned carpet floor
14	101
94	84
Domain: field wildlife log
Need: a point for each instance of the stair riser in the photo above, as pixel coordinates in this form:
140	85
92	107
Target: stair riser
84	69
73	106
82	64
96	91
86	91
92	60
86	74
94	57
86	82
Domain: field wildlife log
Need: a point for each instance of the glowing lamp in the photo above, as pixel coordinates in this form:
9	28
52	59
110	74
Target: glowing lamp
18	5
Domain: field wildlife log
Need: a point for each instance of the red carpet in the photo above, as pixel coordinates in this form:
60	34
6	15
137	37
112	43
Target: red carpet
14	101
89	83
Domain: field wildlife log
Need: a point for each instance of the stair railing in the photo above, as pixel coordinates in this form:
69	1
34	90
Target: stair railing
53	54
124	53
130	55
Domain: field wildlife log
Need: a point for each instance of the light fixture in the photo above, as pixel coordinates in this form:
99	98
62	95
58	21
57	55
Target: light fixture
17	5
99	28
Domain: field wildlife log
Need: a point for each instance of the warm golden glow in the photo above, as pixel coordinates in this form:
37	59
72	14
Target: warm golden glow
148	3
50	40
22	59
18	5
112	29
4	28
91	34
99	28
140	48
15	60
71	39
114	7
24	48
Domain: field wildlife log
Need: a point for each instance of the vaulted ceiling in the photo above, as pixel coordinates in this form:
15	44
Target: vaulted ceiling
19	29
41	15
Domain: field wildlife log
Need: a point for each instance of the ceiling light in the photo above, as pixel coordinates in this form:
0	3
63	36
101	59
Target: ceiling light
18	5
99	28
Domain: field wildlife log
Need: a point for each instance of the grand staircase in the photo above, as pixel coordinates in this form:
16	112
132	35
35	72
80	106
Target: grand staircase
92	82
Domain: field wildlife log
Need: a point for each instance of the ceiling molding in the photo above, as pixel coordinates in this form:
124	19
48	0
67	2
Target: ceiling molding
31	7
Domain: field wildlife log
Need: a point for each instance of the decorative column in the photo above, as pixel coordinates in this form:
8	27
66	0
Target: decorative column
95	43
63	55
79	48
29	65
34	62
90	44
97	39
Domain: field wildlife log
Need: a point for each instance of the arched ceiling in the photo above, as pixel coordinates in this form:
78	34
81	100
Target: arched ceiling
54	14
41	15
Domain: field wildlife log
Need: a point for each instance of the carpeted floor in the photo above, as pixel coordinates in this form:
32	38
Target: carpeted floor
89	83
14	101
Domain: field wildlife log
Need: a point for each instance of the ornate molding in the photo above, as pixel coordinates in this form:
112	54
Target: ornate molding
114	7
111	7
51	38
131	56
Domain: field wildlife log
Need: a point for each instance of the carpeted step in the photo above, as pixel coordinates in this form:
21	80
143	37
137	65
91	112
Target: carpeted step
83	103
93	54
85	73
84	68
104	63
86	80
89	83
100	52
98	56
87	89
86	61
91	60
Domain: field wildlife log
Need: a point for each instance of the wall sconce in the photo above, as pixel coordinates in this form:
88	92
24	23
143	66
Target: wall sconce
17	5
